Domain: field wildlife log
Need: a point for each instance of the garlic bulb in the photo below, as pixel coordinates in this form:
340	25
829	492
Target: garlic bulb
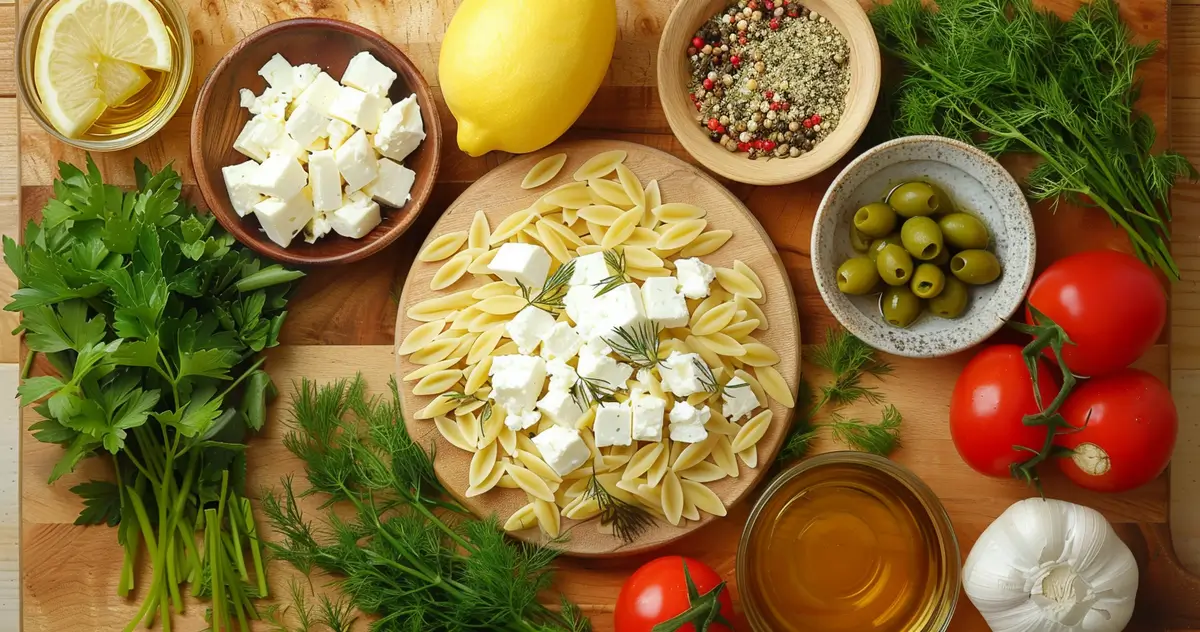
1051	566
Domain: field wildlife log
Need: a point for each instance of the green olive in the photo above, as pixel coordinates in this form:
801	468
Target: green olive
876	220
945	204
878	244
921	238
858	241
900	306
895	265
963	231
943	257
857	275
928	280
914	198
952	302
977	267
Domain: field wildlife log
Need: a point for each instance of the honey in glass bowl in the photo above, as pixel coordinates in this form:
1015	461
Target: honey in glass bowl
847	542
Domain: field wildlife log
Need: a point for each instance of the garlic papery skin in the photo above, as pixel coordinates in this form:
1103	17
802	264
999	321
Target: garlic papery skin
1051	566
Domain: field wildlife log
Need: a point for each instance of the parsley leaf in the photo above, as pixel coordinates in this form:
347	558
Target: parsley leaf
101	503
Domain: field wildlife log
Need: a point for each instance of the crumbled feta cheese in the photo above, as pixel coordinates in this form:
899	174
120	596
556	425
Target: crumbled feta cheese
561	342
648	411
272	104
562	449
367	74
338	131
562	375
317	227
517	381
242	195
522	419
401	129
287	147
528	328
663	303
604	370
738	399
597	346
282	220
305	75
560	407
526	263
279	73
687	422
589	269
306	124
694	277
579	304
321	93
279	176
357	217
680	375
613	424
325	180
392	185
246	98
360	109
356	161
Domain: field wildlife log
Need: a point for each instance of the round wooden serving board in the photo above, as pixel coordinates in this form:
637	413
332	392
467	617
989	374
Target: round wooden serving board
499	194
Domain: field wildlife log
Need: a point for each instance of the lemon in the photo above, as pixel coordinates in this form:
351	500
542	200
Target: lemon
90	56
517	73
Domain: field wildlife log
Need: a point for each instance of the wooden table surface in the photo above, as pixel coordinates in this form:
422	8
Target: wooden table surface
342	319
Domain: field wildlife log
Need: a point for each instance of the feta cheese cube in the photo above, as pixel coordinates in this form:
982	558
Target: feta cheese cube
738	399
321	93
246	98
589	270
561	342
528	328
604	370
356	218
338	131
325	180
562	449
272	103
620	307
356	161
562	375
266	132
596	346
279	73
613	424
579	303
524	263
246	146
305	74
242	196
681	375
282	220
287	147
280	176
560	407
694	277
392	185
317	228
687	422
367	74
401	129
664	304
522	419
517	380
360	109
306	124
648	412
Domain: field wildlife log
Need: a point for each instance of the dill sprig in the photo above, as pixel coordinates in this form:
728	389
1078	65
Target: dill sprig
849	359
628	520
638	343
587	391
400	549
552	296
709	380
616	262
877	438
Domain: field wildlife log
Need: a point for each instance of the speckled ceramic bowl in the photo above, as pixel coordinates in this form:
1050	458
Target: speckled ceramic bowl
977	184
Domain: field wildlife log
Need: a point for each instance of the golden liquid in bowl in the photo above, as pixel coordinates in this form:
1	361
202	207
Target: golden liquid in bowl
847	547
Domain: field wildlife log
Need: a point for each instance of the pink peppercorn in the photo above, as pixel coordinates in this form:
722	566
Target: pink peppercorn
707	83
697	42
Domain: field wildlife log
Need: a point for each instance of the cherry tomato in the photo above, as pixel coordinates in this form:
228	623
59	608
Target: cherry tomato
991	397
1109	303
662	593
1128	424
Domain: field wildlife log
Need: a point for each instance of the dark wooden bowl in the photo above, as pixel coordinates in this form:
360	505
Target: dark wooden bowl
218	119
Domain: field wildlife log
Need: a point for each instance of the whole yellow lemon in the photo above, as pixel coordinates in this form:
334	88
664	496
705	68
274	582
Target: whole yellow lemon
517	73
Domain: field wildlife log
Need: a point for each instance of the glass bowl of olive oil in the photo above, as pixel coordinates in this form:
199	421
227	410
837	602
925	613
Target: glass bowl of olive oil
844	542
137	117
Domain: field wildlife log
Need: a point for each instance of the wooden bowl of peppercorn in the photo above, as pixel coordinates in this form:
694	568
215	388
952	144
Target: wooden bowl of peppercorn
768	92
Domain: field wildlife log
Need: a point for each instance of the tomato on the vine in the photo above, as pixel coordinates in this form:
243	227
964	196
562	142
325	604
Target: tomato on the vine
1126	425
1111	305
674	593
991	397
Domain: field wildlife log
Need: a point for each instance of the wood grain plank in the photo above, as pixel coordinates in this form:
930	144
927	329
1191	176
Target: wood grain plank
8	47
9	218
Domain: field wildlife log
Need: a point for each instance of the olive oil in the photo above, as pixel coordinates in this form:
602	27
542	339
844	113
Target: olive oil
846	546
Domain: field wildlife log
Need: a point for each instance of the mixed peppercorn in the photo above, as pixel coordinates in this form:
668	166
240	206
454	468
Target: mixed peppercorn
769	77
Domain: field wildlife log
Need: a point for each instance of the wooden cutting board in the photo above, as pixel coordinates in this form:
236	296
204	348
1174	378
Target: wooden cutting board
342	321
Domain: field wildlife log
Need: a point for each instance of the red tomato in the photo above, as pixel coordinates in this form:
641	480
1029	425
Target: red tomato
1128	430
658	593
1109	303
991	397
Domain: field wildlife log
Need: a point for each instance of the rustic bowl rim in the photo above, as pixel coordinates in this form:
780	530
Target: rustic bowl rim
975	329
860	100
217	200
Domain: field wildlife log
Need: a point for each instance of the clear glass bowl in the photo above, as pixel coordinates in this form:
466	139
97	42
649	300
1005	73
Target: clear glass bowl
110	133
846	471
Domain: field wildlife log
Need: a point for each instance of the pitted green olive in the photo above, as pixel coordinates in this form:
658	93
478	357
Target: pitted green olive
963	231
895	265
857	276
876	220
921	238
858	241
914	198
878	245
952	302
977	267
900	307
928	281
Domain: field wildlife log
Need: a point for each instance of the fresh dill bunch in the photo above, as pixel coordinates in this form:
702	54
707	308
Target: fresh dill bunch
628	521
638	343
616	262
399	548
1011	77
879	438
849	359
587	391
